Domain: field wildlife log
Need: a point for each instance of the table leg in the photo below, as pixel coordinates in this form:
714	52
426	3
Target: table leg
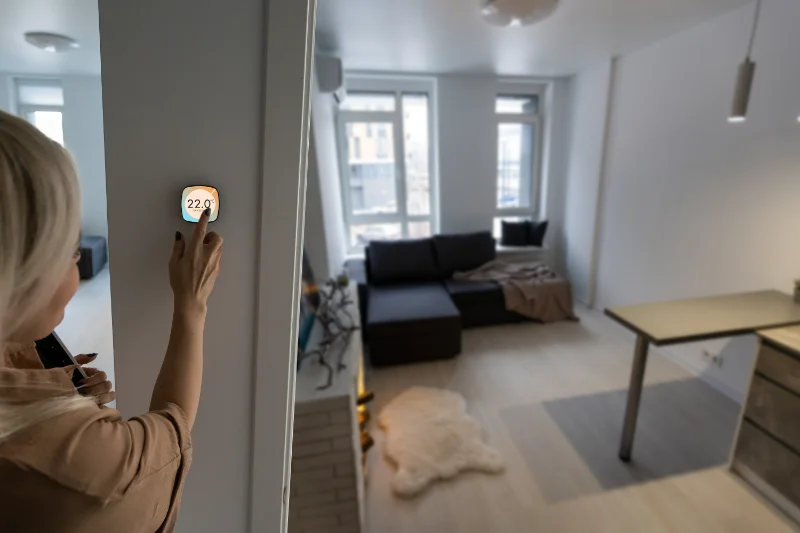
634	397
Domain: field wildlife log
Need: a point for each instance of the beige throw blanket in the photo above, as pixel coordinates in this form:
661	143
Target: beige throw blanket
533	290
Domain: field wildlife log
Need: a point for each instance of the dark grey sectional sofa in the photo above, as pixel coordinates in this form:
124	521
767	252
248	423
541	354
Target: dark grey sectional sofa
411	308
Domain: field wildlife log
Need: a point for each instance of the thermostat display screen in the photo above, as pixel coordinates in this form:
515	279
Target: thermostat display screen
197	199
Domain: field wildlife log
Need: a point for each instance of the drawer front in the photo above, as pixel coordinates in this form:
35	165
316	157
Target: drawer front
776	410
779	367
770	460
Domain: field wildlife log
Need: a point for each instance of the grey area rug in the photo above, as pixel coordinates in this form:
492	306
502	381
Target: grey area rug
683	426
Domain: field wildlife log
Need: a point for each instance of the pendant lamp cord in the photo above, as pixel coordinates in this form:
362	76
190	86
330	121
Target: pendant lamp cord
753	32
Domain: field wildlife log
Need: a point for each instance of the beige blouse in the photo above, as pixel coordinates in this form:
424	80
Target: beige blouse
87	470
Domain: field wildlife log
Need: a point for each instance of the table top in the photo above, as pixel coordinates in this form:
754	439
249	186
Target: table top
787	338
698	319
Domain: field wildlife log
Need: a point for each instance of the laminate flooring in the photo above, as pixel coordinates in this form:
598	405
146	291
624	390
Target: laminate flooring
551	398
86	327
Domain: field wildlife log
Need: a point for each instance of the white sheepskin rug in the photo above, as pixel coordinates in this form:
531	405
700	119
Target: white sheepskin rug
430	436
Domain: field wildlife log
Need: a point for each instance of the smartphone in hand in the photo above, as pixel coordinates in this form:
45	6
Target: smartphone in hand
54	354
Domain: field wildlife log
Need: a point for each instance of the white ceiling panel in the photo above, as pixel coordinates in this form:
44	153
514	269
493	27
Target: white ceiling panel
449	36
74	18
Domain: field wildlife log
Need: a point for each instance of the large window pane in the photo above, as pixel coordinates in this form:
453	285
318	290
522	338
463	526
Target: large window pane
370	160
49	123
362	101
361	235
514	165
418	230
417	150
516	104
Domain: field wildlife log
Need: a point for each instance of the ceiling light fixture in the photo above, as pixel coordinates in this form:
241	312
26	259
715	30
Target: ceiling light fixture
516	12
744	78
51	42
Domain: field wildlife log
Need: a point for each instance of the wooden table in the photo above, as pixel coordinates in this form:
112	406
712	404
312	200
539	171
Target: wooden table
696	319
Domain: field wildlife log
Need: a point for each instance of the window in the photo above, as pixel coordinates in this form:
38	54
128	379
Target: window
41	102
514	165
384	138
518	132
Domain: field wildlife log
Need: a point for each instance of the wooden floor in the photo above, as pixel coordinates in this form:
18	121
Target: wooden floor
86	327
550	399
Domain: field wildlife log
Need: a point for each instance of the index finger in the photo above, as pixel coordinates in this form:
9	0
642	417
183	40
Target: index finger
200	230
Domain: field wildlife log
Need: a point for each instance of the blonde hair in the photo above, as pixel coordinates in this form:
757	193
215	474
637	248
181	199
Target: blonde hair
39	231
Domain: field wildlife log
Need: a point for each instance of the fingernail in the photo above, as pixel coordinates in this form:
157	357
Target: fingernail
177	235
92	355
207	211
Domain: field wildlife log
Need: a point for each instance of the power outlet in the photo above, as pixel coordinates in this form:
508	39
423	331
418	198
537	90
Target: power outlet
712	358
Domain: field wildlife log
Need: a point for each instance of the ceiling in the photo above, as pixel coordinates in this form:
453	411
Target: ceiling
448	36
74	18
407	35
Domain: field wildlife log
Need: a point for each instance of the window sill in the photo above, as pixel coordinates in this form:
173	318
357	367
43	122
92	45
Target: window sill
500	249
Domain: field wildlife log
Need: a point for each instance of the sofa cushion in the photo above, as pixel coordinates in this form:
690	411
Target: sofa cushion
536	232
466	293
401	261
481	303
463	251
514	233
409	302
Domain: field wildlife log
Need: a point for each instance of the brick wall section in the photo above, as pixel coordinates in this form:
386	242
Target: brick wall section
324	483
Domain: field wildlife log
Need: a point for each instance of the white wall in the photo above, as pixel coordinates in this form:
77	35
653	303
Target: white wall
83	137
588	110
693	205
326	172
555	150
315	235
467	153
185	105
5	92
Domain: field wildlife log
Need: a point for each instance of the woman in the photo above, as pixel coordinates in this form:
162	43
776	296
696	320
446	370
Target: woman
66	462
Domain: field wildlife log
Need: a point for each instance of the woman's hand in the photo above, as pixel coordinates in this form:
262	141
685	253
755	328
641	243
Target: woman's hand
97	384
194	267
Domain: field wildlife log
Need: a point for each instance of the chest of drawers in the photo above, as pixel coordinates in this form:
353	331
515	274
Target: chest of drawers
766	451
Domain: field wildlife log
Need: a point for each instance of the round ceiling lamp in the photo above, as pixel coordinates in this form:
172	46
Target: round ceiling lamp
516	12
51	42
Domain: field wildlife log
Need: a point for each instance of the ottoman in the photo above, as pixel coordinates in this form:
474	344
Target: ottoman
94	255
412	322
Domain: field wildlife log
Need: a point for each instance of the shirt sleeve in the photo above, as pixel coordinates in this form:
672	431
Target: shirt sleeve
166	457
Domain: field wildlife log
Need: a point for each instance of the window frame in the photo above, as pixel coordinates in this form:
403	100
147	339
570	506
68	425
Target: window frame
398	86
537	120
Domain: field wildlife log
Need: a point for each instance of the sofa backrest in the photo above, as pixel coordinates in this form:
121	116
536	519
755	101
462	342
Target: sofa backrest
401	261
460	252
